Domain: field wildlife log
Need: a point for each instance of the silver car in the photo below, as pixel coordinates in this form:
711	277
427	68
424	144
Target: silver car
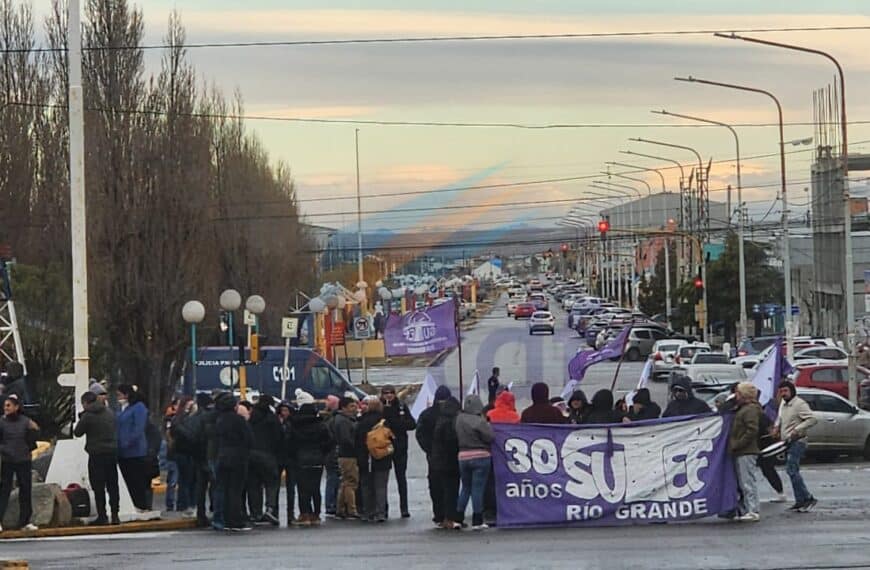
841	427
542	321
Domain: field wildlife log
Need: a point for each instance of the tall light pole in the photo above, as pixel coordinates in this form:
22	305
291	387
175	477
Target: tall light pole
786	256
193	313
359	254
78	222
847	210
740	220
639	181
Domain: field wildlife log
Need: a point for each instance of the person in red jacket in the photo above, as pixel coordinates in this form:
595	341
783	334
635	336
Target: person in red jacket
541	411
505	409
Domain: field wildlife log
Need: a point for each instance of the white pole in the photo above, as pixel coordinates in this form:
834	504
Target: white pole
285	371
359	256
77	198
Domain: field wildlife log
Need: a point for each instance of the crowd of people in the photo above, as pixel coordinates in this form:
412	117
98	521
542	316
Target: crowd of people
225	459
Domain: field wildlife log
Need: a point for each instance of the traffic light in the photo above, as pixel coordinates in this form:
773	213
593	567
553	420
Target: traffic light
603	227
699	288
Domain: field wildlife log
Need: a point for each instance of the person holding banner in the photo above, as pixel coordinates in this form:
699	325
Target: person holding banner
541	412
444	461
795	419
743	445
474	436
602	411
578	407
684	402
425	434
642	407
504	411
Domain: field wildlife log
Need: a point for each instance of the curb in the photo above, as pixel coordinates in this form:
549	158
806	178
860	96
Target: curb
125	528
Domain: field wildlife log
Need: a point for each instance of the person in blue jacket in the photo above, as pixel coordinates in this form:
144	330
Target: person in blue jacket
133	445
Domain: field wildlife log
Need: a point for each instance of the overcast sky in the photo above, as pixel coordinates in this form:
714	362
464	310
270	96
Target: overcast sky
612	80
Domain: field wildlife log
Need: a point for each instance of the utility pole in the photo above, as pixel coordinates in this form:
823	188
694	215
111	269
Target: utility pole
78	221
359	256
667	284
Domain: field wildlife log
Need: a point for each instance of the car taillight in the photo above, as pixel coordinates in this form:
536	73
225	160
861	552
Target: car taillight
742	353
658	356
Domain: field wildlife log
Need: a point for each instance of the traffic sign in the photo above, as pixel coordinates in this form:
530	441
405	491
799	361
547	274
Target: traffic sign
361	330
250	318
289	327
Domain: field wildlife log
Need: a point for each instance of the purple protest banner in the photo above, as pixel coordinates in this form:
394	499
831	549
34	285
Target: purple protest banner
644	472
419	332
586	358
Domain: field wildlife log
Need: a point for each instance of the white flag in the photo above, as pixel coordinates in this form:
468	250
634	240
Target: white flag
510	386
425	396
642	381
764	379
569	389
474	387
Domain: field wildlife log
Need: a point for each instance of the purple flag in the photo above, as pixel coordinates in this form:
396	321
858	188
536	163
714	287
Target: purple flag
419	332
586	358
621	474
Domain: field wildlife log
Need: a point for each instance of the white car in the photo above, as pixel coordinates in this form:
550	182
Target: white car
821	354
841	427
686	352
663	354
512	304
542	321
568	300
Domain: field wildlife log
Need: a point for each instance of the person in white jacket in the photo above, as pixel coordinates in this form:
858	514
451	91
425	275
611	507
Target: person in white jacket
795	419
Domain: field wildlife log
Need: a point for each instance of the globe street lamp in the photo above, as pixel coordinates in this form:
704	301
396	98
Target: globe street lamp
193	313
230	301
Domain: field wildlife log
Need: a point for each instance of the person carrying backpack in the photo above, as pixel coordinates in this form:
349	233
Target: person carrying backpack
98	424
374	447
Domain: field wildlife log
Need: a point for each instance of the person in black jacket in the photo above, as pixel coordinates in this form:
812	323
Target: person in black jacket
425	432
344	425
200	430
287	458
643	408
312	442
602	411
234	441
578	407
400	421
444	461
97	423
263	475
684	402
374	473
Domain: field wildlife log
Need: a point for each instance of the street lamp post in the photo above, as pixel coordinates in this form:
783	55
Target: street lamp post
640	181
230	301
847	209
786	257
740	220
193	313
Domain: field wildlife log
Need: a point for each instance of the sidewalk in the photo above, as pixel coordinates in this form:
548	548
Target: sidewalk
129	527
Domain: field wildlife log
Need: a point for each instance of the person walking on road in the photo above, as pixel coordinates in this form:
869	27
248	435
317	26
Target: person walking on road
794	421
400	421
492	385
425	433
263	474
444	462
602	410
17	440
133	446
374	471
743	445
684	402
234	442
643	408
504	410
344	426
97	423
474	436
541	412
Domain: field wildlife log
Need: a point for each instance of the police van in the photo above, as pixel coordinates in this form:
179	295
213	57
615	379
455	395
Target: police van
217	368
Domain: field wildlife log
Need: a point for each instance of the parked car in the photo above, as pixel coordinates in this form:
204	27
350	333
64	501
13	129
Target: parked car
712	374
821	353
524	310
833	377
841	427
750	346
663	354
710	358
542	321
686	352
641	341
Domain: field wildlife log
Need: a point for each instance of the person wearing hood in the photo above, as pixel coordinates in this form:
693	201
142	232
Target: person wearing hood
684	402
474	436
425	433
444	461
578	407
743	445
541	412
234	441
602	411
133	445
201	435
311	442
643	408
505	409
374	473
287	458
17	439
97	424
263	475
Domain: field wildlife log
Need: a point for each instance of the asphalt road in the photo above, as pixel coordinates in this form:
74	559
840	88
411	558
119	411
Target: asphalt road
833	536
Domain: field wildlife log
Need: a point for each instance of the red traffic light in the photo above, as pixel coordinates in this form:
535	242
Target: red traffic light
699	283
564	247
603	226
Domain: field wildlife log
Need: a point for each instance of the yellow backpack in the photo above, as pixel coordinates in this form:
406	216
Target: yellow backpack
379	441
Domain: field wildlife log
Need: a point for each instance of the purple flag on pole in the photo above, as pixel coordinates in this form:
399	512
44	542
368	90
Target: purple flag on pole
586	358
638	473
419	332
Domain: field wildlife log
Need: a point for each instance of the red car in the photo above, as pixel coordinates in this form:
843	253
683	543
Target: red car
524	311
831	377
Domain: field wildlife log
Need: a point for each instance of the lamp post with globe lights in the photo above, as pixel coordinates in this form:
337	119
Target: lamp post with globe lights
193	313
230	301
254	307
